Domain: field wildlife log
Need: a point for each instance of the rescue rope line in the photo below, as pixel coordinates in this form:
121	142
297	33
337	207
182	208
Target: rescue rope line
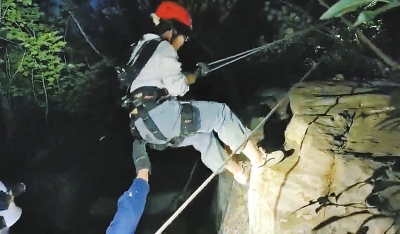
208	180
247	53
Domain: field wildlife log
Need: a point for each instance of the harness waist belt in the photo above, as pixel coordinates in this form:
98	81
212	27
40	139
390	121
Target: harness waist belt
145	99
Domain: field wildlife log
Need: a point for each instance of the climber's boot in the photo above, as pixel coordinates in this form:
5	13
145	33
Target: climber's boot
268	161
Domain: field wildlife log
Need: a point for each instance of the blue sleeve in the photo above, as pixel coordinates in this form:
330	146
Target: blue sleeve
130	208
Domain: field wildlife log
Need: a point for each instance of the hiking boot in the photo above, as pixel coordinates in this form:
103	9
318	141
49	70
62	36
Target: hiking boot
243	176
269	160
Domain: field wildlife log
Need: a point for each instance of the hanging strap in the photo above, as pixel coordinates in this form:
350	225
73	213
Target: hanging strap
188	125
148	121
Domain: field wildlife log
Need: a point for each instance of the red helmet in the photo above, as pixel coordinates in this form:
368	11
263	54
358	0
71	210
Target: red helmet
172	10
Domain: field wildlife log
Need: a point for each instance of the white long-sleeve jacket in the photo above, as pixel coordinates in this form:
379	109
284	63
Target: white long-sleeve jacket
11	215
163	70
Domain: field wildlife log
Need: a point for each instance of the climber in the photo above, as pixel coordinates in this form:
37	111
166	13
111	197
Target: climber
131	204
9	212
159	118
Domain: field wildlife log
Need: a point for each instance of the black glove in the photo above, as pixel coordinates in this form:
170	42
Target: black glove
202	69
140	156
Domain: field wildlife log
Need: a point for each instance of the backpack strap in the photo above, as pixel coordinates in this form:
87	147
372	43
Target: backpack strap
143	55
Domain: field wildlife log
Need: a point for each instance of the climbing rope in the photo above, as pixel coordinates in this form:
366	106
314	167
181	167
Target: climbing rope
247	53
208	180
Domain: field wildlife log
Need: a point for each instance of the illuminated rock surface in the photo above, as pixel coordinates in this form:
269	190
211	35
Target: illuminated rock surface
337	144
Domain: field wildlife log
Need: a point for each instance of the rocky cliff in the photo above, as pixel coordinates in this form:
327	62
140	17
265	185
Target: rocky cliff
344	175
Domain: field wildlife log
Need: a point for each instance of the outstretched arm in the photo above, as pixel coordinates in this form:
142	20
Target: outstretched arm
202	70
177	82
131	204
130	207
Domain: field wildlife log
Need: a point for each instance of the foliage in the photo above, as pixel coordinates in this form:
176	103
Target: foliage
288	22
33	58
289	19
344	6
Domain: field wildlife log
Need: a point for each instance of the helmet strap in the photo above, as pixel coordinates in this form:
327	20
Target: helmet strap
174	31
174	35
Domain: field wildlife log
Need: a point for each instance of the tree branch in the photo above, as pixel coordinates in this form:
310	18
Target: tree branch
33	85
364	39
18	68
85	36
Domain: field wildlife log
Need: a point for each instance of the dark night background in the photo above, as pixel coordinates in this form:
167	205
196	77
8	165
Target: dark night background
66	166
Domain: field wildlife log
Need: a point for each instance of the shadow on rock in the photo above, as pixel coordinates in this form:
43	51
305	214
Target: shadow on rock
393	121
383	202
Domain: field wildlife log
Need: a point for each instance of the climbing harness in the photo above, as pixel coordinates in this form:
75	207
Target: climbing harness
144	99
188	126
142	102
208	180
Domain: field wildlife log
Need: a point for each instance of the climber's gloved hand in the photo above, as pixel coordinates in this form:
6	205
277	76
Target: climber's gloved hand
140	156
202	69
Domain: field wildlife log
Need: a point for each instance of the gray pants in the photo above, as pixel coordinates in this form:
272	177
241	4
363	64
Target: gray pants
212	117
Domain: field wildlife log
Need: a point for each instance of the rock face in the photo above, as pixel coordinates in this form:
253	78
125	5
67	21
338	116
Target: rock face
344	176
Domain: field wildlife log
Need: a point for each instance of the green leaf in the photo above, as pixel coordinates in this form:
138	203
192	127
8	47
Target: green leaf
366	16
60	43
27	2
56	50
9	36
344	6
42	55
26	73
